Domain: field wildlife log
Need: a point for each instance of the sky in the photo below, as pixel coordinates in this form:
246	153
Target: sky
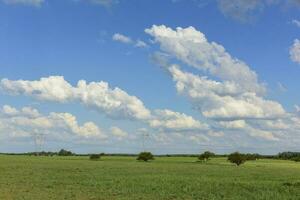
171	76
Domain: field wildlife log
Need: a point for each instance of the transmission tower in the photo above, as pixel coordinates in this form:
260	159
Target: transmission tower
145	136
39	141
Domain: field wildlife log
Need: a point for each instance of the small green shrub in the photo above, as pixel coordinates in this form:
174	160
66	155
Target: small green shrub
145	156
95	157
237	158
296	159
63	152
205	156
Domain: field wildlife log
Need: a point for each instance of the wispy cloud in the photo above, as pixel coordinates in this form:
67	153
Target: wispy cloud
121	38
127	40
296	22
105	3
281	87
36	3
295	51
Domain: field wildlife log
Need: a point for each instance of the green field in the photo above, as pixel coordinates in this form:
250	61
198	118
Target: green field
35	178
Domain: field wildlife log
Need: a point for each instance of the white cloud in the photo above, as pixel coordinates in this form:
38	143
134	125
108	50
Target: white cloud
262	134
216	133
88	129
106	3
199	139
141	44
192	47
281	87
127	40
8	110
237	124
296	22
36	3
119	133
53	88
170	120
295	51
121	38
297	107
241	10
223	100
235	101
114	103
28	121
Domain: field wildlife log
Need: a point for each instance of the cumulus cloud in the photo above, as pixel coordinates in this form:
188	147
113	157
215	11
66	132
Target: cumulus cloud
28	121
115	102
119	133
262	134
170	120
223	100
141	44
235	101
36	3
199	139
295	51
236	124
192	47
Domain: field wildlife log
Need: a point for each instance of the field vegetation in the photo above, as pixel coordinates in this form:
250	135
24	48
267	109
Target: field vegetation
24	177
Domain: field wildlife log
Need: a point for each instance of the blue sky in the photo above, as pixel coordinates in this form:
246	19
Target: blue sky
105	40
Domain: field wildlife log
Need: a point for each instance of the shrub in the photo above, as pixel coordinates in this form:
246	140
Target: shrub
288	155
63	152
145	156
237	158
250	156
205	156
95	157
102	154
296	159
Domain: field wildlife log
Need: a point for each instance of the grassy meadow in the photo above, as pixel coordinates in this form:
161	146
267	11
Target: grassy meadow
35	178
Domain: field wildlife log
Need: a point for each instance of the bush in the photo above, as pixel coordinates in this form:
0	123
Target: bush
205	156
250	156
95	157
288	155
296	159
145	156
237	158
63	152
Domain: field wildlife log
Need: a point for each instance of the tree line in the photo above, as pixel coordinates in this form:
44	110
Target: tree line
236	157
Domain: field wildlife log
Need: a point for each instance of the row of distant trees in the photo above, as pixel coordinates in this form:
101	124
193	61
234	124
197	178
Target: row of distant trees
295	156
236	157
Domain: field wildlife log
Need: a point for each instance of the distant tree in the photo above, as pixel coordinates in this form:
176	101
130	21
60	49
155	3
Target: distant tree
95	156
296	159
237	158
102	154
288	155
250	156
205	156
145	156
63	152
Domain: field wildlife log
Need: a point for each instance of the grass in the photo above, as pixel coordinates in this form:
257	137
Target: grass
30	178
